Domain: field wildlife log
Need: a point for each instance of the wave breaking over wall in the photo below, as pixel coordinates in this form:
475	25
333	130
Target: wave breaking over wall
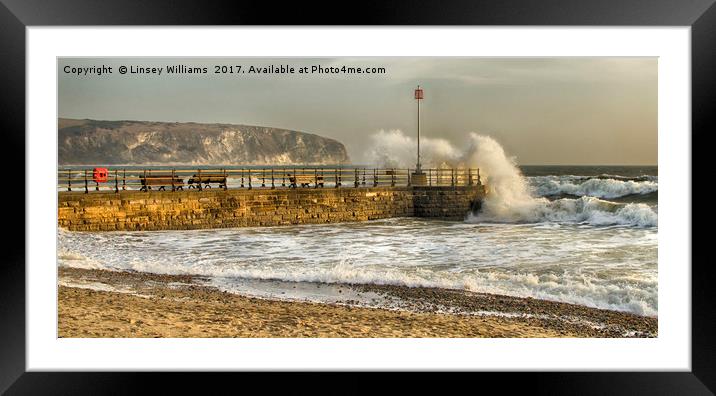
513	198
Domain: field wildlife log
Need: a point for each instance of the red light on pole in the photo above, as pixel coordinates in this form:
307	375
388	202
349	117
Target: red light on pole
419	93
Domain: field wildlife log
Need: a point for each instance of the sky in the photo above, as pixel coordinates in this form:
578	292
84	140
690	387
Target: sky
569	111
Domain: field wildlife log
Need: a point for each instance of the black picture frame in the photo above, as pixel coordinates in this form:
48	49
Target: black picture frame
16	15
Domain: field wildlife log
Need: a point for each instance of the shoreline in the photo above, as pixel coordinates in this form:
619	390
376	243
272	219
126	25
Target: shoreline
101	303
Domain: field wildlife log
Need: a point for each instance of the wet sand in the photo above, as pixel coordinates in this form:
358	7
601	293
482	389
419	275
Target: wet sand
98	303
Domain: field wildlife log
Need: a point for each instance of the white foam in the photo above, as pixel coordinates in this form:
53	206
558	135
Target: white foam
99	286
510	198
585	210
593	187
606	267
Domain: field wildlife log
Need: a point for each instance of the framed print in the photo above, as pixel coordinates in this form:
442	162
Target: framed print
474	189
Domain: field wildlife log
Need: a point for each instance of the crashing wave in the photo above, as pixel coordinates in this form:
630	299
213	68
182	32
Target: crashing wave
594	187
514	198
584	210
653	178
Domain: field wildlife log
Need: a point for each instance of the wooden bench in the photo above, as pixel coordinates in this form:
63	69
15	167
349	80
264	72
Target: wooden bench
207	179
304	180
162	181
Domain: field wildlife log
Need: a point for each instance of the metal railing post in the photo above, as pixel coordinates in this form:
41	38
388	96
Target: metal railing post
250	186
86	189
408	170
69	180
116	182
375	177
363	177
283	178
392	177
479	181
315	177
173	176
199	173
273	186
263	177
124	179
357	181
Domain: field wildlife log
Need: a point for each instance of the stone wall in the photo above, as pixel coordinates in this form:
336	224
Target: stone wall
167	210
446	202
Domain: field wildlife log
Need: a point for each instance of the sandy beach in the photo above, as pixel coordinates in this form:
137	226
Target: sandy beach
99	303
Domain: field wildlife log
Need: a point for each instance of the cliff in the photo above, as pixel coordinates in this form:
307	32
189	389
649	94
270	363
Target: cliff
90	142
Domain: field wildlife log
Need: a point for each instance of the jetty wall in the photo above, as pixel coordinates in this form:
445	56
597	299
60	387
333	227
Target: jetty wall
216	208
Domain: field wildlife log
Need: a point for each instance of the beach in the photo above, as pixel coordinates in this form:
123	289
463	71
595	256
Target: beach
104	303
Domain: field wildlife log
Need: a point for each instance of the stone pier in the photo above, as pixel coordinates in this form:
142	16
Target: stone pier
183	210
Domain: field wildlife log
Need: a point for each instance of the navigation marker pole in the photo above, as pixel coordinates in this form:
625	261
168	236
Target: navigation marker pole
418	96
419	178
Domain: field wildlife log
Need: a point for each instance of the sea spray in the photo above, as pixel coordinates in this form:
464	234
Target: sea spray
511	197
394	149
508	199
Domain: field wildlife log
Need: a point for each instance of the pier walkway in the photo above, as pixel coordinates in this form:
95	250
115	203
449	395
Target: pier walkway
90	179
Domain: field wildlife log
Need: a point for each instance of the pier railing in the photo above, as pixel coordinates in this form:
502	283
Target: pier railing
121	179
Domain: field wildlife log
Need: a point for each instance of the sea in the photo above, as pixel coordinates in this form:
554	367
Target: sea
578	234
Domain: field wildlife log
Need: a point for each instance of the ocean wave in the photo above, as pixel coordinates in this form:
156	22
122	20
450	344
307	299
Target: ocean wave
636	296
599	187
652	178
633	295
603	267
584	210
